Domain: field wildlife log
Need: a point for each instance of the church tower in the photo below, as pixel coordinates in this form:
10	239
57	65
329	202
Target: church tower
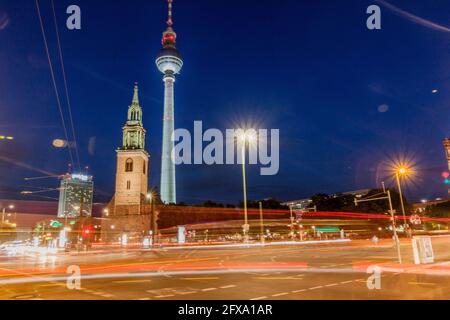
132	163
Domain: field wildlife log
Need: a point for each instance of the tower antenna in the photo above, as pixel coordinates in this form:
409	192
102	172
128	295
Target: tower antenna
170	21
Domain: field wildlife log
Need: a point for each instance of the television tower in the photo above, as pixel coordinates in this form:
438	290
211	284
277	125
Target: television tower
169	62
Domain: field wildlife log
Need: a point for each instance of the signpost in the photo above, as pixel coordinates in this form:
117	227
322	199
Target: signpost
422	250
181	234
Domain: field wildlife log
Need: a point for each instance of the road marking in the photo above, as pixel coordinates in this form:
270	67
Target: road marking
229	286
345	282
144	299
297	291
187	292
331	285
131	281
209	289
88	291
280	294
259	298
52	285
314	288
279	278
201	278
166	296
423	283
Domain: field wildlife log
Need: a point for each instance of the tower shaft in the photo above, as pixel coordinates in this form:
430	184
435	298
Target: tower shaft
168	184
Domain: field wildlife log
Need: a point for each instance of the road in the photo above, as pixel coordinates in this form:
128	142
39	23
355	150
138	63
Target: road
288	272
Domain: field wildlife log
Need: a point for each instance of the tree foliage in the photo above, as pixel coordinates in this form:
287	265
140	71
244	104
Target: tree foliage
345	202
440	210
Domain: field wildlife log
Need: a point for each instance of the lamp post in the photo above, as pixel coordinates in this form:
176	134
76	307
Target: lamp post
261	219
377	197
245	137
401	171
10	207
153	216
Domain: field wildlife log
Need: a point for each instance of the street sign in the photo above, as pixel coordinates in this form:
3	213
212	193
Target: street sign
246	227
55	224
415	219
181	234
298	214
422	250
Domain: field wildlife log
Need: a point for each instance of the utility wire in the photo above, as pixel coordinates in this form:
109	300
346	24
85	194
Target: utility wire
69	107
53	79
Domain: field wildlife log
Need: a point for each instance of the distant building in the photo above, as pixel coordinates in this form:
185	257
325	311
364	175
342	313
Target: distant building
75	196
306	204
356	193
421	207
446	144
302	204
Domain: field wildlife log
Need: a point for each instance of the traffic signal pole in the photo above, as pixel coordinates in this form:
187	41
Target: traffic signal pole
391	211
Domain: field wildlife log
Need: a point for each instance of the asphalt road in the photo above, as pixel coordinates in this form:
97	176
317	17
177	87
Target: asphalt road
288	272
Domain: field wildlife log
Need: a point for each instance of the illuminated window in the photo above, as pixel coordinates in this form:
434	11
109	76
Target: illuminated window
129	165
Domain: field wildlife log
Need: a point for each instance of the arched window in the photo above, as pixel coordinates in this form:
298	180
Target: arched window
129	165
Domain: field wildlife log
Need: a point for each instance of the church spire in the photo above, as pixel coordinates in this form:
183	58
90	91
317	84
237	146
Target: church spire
136	94
133	131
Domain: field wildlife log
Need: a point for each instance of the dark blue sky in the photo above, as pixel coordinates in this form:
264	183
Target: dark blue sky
310	68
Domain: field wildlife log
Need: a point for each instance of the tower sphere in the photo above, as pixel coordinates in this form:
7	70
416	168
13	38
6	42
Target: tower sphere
169	60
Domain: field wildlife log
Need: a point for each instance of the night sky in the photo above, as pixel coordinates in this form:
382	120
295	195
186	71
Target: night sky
345	99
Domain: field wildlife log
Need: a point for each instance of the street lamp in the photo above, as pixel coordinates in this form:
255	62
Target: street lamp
401	172
245	137
10	207
154	228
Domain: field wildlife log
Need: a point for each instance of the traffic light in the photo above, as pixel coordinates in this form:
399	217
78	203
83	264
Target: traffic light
446	176
86	232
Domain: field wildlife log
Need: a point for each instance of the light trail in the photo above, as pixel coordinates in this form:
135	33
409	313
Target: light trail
52	73
69	106
413	18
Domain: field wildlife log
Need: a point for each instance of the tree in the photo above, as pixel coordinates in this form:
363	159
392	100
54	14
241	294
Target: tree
211	204
440	210
345	203
269	203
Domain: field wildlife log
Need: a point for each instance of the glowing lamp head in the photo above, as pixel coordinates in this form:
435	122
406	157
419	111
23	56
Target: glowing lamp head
247	136
402	170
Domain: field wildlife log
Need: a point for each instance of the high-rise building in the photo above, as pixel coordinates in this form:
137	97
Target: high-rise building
169	62
75	196
132	162
446	143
